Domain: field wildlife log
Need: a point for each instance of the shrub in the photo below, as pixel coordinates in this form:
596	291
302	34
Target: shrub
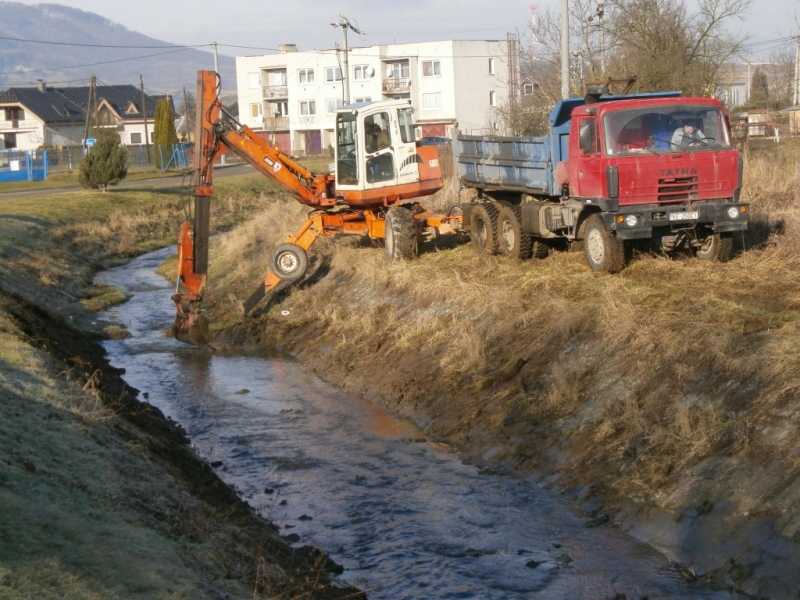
104	163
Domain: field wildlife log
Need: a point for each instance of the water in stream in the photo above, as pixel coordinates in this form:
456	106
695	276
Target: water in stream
406	519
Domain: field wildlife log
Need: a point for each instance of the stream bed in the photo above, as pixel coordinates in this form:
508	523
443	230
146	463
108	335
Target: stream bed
404	517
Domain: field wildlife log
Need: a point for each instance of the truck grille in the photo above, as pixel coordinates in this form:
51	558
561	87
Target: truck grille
677	188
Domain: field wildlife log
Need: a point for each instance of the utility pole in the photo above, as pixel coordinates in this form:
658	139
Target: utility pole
186	116
345	24
216	58
91	109
564	49
796	98
144	116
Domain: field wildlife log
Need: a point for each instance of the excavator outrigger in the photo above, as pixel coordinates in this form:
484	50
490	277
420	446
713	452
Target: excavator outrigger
379	172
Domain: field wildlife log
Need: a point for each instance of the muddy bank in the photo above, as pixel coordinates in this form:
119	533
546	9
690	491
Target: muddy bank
554	402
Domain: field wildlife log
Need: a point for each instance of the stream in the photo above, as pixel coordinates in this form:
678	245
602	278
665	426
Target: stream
406	519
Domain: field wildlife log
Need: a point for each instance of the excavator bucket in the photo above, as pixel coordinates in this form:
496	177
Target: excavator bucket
191	328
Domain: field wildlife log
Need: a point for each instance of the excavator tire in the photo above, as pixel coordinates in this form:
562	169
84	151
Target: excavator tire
512	241
400	234
483	228
289	261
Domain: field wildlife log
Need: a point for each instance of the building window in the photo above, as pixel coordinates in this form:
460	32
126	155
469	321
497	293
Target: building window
308	108
10	140
279	109
362	72
492	98
279	78
254	80
527	89
255	110
431	68
333	74
136	138
364	99
305	76
432	101
397	70
331	104
491	66
14	113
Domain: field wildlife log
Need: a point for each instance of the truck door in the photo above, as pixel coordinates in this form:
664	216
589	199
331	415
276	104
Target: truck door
585	179
378	143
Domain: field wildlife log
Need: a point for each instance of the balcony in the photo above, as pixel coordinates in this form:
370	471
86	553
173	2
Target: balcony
397	85
276	91
276	124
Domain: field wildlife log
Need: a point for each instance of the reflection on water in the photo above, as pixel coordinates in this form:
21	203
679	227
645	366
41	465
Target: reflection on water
405	518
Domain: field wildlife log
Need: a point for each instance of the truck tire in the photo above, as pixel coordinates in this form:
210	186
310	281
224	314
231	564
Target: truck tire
483	228
603	250
511	240
400	235
717	247
289	261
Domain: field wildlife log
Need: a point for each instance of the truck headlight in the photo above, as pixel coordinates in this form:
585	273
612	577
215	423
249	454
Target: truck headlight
631	220
733	212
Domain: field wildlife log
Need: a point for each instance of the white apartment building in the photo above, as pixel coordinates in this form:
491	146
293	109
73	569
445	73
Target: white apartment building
290	97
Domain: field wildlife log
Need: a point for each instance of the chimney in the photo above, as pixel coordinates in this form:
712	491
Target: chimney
41	85
284	48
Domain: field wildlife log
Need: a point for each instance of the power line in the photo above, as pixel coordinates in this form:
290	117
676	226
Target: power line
84	45
108	62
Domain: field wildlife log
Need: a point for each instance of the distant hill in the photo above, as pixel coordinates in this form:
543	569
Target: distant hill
165	68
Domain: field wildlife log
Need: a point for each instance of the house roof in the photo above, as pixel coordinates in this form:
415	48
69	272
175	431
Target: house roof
49	106
69	105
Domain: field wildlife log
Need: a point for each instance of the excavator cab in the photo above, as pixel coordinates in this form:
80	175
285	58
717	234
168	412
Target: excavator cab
376	149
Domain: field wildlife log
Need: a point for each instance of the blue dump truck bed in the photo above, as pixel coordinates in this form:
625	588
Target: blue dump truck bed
522	164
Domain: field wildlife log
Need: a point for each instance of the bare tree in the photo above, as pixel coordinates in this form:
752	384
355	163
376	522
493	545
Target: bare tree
668	47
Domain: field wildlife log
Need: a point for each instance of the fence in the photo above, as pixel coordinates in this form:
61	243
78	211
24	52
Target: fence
23	165
67	158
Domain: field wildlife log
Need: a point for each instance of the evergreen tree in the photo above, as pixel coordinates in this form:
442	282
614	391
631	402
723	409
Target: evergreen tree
104	163
164	134
759	90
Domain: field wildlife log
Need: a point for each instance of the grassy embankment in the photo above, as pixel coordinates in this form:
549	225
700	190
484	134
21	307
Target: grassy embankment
624	381
99	496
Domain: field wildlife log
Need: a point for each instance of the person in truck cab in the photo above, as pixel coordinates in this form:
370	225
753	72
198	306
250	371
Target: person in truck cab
687	135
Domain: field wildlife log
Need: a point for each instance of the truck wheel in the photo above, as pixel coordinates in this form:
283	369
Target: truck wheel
400	235
483	228
717	247
289	261
603	250
511	240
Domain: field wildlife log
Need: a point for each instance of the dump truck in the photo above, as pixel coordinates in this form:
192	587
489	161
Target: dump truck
613	172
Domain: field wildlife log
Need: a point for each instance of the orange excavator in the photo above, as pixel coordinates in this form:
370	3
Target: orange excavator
379	172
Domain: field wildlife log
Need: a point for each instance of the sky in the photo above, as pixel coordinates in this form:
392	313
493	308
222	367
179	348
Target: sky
249	27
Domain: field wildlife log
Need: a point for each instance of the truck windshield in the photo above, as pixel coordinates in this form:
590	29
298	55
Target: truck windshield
668	128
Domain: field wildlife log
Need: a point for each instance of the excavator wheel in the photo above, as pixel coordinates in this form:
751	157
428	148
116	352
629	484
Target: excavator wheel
400	234
191	329
289	261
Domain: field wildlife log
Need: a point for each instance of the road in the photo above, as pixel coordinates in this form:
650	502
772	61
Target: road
219	171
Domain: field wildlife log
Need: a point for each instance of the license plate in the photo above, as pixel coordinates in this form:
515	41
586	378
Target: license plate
683	216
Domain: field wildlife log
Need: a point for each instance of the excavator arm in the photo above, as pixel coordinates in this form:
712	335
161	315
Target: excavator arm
218	132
